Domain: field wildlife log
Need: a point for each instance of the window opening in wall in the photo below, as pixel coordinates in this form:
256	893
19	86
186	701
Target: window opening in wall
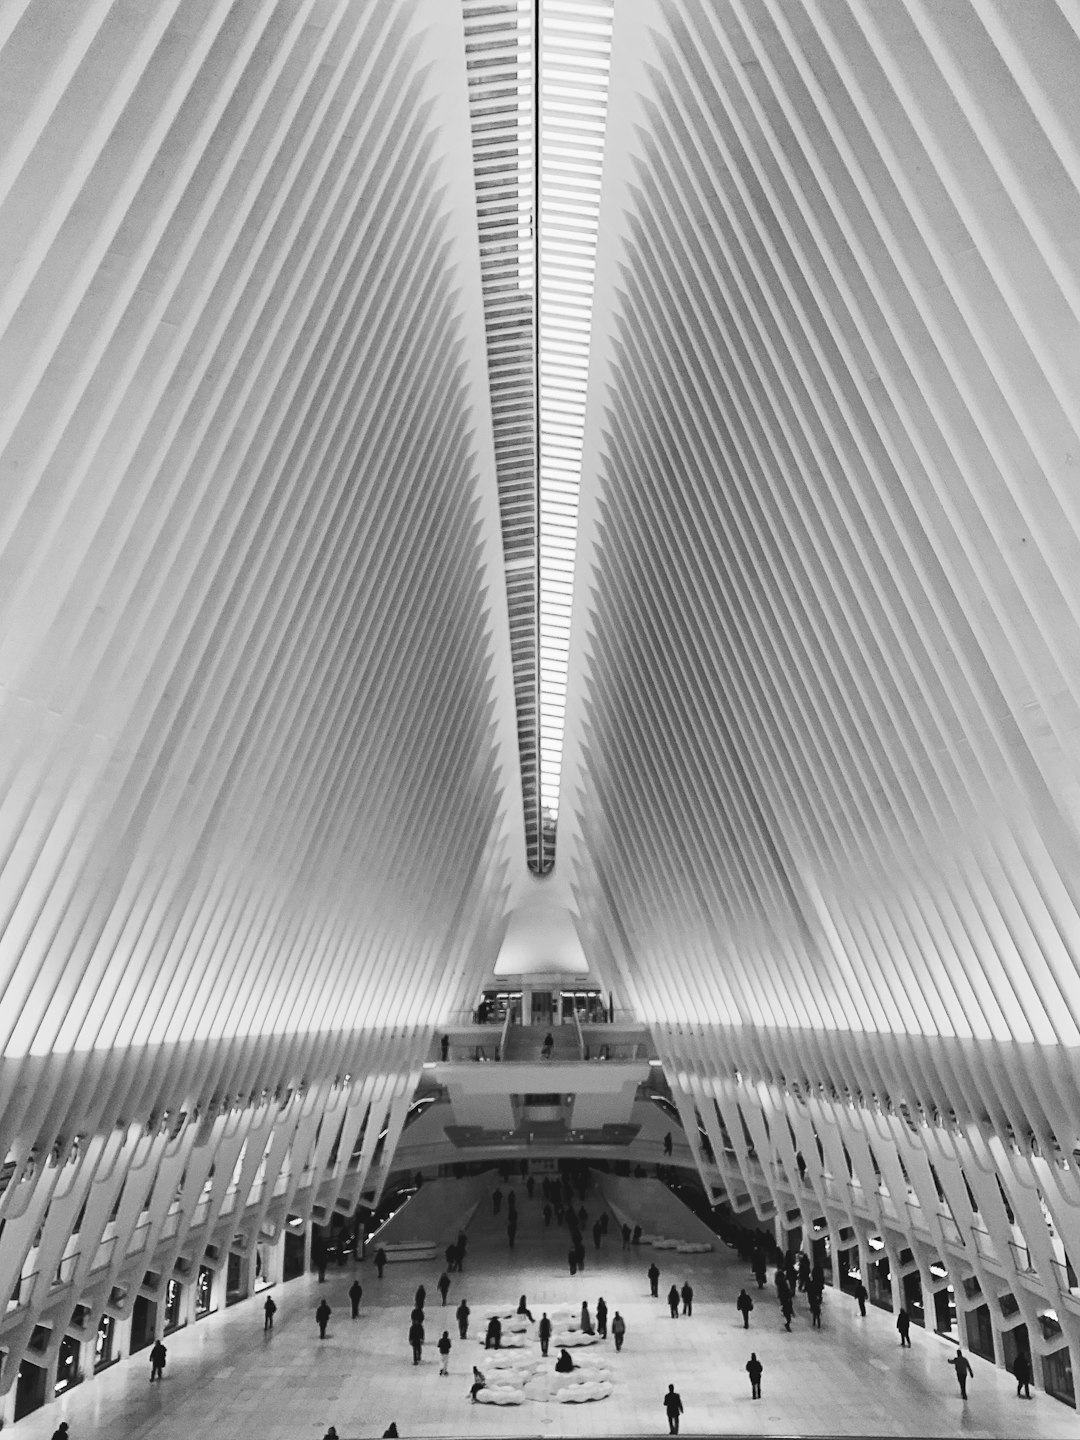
204	1288
173	1295
103	1343
67	1365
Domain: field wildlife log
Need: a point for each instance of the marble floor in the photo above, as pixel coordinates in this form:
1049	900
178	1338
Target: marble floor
225	1378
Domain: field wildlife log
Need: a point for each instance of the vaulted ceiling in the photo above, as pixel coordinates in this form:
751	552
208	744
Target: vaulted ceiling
271	551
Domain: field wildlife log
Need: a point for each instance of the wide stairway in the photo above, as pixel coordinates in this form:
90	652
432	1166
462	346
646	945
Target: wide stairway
523	1042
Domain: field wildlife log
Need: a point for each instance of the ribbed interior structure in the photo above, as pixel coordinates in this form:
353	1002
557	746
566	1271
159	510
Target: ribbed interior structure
266	392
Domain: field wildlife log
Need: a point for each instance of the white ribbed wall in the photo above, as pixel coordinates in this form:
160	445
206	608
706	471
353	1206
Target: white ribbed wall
258	790
822	730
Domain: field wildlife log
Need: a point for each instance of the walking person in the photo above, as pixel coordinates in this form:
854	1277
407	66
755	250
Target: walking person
356	1291
158	1356
61	1431
903	1324
673	1302
544	1331
813	1299
322	1318
962	1365
787	1309
687	1298
601	1318
744	1304
754	1368
420	1297
269	1311
667	1143
618	1330
462	1313
380	1260
416	1340
654	1279
444	1353
674	1407
443	1286
1021	1370
861	1295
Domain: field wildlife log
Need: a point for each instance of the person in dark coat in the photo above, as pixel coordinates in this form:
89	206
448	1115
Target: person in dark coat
493	1338
601	1318
754	1368
571	1260
61	1431
158	1356
443	1286
496	1200
462	1312
331	1434
1022	1374
380	1260
813	1299
760	1270
444	1352
861	1295
667	1143
269	1311
356	1291
787	1309
744	1304
903	1324
674	1407
687	1298
547	1212
673	1302
544	1331
626	1237
322	1318
416	1340
597	1233
564	1364
587	1326
618	1330
391	1431
420	1297
654	1279
962	1365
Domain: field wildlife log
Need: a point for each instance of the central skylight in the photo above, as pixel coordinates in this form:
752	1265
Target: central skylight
538	84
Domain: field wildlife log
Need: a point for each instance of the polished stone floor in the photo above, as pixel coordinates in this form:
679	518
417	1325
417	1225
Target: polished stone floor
225	1378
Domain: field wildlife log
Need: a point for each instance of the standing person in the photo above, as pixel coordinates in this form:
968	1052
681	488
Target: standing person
380	1260
1022	1372
443	1286
674	1407
571	1259
356	1291
322	1318
667	1143
601	1318
962	1365
744	1304
618	1330
530	1186
597	1233
544	1333
687	1298
420	1297
754	1368
444	1353
760	1270
903	1324
444	1048
813	1299
861	1295
269	1311
654	1279
673	1302
158	1357
787	1309
462	1313
587	1326
626	1237
416	1340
